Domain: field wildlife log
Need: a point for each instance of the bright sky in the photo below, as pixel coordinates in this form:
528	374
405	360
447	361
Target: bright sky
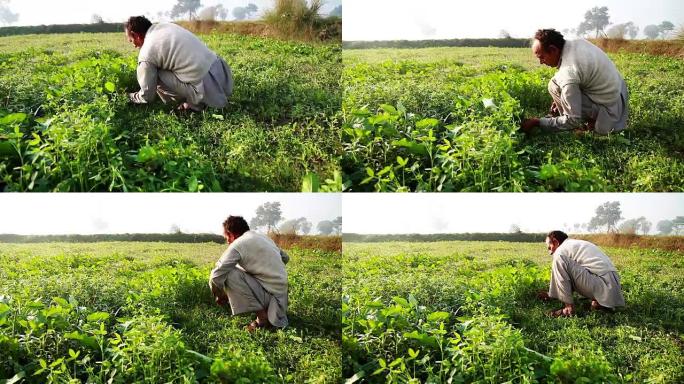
384	213
37	12
448	19
87	213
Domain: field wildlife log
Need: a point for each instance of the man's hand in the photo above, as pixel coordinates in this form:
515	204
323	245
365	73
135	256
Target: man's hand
221	300
543	296
554	111
529	124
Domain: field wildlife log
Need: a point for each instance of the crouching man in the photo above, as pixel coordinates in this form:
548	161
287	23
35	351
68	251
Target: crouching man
176	66
251	276
582	267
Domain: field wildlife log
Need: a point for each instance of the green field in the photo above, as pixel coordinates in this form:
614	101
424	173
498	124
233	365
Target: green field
66	125
447	119
126	312
461	312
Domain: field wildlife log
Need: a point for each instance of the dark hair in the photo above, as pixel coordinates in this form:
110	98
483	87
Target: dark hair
558	235
138	24
549	37
235	225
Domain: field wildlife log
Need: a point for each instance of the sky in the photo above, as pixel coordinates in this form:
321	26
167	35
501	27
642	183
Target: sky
449	19
383	213
37	12
90	213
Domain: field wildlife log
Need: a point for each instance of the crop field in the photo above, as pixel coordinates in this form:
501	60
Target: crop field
66	124
123	312
447	119
462	312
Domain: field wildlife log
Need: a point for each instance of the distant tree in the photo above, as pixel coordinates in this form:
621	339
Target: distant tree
175	229
7	17
651	31
665	227
665	27
337	225
305	226
221	12
207	14
188	7
243	13
336	12
503	34
632	226
268	214
607	214
632	30
325	227
515	228
678	225
294	226
595	19
96	19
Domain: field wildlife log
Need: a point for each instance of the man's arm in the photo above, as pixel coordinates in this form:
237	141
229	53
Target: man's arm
218	276
571	98
147	78
284	256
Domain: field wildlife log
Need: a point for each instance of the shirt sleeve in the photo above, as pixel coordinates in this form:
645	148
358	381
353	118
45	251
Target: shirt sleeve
224	265
571	98
284	256
147	78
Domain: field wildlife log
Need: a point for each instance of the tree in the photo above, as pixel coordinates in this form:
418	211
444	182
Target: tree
651	31
665	227
175	229
503	34
632	226
515	228
337	225
207	14
242	13
7	17
293	226
336	12
185	6
268	214
325	227
632	30
678	225
96	19
221	12
665	27
305	227
619	31
595	19
607	214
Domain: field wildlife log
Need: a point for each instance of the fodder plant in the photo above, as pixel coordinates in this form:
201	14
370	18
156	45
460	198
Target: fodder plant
466	312
447	119
124	312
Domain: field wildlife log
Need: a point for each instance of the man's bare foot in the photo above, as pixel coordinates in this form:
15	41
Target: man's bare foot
189	107
256	324
543	296
595	306
567	311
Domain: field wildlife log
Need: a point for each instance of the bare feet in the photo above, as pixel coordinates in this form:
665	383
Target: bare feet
595	306
543	296
567	311
189	107
256	324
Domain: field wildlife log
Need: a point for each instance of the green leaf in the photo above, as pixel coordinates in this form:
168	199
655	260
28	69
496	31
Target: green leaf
217	117
97	316
13	118
438	316
310	182
193	184
388	109
110	87
427	123
401	301
61	302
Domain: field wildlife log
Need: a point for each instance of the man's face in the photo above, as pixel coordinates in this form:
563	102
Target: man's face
551	245
135	38
550	56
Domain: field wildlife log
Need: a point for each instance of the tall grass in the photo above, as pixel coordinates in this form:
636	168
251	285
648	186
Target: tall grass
295	19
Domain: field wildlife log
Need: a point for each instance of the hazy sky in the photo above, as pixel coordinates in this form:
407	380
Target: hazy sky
75	213
37	12
448	19
494	212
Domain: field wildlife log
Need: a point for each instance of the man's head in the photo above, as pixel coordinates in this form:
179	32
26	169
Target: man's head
136	28
554	239
234	227
548	46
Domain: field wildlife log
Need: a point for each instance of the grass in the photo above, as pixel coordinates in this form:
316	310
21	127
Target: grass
65	124
134	312
447	119
466	312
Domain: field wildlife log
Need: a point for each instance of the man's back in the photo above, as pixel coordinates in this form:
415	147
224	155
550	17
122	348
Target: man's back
587	65
171	47
260	257
587	255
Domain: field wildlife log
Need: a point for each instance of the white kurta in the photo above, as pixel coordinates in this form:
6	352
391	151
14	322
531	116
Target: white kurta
582	267
587	86
252	273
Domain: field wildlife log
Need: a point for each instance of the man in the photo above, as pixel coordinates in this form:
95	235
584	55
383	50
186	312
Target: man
176	65
251	276
588	91
581	266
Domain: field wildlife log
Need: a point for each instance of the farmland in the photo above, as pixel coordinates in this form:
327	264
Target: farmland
66	124
128	312
447	119
466	312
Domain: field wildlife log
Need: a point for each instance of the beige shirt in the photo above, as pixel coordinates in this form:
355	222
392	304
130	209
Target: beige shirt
257	255
583	69
587	255
170	47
